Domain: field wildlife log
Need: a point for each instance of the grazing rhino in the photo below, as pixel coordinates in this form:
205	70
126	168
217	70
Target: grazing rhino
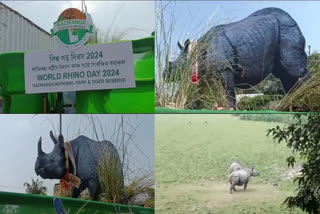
245	52
235	166
87	155
241	177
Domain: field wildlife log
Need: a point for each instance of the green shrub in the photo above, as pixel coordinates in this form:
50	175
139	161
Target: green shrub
314	63
270	85
256	103
283	118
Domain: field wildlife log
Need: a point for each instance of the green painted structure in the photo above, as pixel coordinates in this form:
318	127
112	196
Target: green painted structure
19	203
165	110
132	100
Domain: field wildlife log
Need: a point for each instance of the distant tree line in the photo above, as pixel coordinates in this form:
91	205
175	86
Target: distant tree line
303	138
314	63
35	187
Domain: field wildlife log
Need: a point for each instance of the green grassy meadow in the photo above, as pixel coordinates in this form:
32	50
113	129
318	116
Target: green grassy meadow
192	158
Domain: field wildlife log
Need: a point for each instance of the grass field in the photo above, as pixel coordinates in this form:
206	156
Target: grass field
192	159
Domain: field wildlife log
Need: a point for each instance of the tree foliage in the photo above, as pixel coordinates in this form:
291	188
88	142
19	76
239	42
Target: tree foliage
314	63
35	187
303	138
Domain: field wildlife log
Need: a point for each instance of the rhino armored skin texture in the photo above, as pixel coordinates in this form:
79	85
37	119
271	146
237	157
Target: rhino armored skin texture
241	177
245	52
235	166
87	154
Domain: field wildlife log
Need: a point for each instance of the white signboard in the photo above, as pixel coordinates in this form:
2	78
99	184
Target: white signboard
93	67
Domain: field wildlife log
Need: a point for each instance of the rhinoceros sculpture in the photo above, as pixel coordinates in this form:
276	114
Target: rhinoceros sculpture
87	154
241	177
245	52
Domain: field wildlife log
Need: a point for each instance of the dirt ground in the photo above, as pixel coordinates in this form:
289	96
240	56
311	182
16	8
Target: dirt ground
214	197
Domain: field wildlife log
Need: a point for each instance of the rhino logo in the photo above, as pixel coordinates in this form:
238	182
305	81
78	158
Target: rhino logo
73	29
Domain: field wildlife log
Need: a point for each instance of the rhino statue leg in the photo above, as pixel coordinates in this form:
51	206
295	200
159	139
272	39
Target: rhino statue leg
124	199
222	60
93	186
76	192
293	58
228	80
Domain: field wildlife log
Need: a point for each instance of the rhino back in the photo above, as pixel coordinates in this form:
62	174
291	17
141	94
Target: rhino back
283	17
256	42
252	40
87	154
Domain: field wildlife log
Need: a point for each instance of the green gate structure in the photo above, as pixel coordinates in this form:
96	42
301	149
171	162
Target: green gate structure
132	100
12	86
166	110
19	203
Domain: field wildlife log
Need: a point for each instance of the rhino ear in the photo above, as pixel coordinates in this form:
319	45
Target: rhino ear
53	138
180	46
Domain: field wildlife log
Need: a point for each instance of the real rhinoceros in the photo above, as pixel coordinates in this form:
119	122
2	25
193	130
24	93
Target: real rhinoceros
241	177
245	52
234	167
87	155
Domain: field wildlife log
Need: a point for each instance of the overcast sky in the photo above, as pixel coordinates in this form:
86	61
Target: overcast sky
136	18
20	133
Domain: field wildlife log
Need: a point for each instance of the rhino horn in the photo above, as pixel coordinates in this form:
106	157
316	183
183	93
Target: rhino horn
180	46
39	147
53	138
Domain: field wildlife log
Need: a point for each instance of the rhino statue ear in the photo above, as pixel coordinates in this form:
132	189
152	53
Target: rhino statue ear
39	147
61	139
53	138
187	43
180	46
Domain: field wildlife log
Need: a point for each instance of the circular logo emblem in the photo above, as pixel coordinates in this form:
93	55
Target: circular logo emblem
73	29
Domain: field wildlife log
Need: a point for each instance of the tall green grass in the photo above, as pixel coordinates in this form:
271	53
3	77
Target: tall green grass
113	188
110	178
303	96
280	118
112	192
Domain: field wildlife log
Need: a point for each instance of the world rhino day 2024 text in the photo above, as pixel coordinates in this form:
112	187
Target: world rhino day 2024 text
94	67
